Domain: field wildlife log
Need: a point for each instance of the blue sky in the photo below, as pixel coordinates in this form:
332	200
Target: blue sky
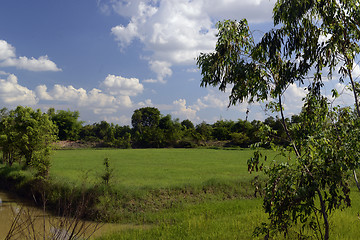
106	58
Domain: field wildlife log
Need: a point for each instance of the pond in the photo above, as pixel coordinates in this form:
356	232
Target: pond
24	220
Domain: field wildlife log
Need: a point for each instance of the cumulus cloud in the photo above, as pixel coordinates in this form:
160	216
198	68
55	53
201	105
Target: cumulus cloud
162	69
293	99
42	93
176	31
12	93
346	96
8	59
114	95
94	99
32	64
117	85
6	50
212	100
125	35
96	102
183	111
146	103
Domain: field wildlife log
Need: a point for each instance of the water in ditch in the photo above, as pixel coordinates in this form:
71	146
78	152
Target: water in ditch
30	220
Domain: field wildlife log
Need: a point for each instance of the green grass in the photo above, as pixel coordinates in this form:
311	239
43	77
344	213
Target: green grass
168	176
154	168
233	219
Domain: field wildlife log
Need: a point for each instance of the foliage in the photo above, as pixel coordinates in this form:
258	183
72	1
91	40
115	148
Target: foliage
67	122
187	124
108	172
27	134
154	130
147	117
323	139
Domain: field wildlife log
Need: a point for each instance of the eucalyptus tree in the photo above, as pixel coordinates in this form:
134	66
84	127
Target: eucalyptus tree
310	38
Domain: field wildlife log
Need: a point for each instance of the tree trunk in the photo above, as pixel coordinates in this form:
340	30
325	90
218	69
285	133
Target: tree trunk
325	216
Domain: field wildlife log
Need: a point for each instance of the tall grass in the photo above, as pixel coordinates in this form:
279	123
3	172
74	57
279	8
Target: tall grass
231	219
162	179
150	180
180	193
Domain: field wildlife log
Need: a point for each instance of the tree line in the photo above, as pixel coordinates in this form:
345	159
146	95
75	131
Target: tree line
24	130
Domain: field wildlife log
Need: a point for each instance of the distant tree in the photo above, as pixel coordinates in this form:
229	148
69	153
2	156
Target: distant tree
222	129
67	122
171	130
102	130
147	117
279	133
204	131
187	124
121	131
122	136
87	133
145	122
240	139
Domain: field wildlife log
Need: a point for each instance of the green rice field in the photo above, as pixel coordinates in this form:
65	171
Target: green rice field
155	168
216	217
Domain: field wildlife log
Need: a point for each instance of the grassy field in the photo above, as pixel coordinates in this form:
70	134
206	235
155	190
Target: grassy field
154	168
167	179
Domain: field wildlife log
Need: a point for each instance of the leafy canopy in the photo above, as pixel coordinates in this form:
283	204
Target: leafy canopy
310	38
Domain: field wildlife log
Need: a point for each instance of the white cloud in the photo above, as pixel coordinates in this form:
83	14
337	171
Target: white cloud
147	103
8	59
213	99
162	69
13	94
117	85
184	112
42	93
295	93
6	50
125	35
94	99
176	31
293	99
37	65
97	98
94	104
